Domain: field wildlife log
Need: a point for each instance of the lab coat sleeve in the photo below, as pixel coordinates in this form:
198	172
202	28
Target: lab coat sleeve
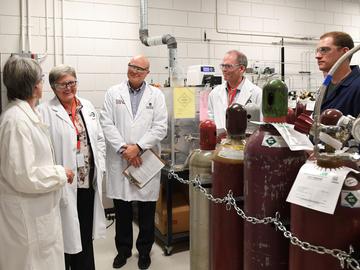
258	100
101	149
210	107
158	129
107	121
19	167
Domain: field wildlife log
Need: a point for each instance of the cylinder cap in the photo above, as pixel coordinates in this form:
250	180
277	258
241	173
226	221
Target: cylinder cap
330	117
303	123
236	119
275	101
207	135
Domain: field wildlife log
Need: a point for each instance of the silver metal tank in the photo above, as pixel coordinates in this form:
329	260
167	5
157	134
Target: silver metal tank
200	166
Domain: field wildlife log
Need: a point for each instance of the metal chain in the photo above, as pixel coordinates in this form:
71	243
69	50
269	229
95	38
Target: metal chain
230	201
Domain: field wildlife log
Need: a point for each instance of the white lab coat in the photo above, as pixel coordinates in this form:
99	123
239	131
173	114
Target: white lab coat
63	136
218	101
147	129
30	183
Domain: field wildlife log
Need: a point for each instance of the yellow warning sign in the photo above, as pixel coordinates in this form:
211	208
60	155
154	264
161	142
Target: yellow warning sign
184	102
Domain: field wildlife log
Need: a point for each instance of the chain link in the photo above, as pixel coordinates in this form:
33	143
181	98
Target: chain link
230	201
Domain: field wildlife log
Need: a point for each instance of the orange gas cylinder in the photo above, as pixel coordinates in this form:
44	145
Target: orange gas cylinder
270	169
226	227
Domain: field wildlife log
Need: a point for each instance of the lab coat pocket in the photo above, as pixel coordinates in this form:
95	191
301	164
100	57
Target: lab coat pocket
64	201
48	229
16	221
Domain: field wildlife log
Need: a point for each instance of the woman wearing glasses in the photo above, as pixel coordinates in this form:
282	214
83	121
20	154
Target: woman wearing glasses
79	144
30	182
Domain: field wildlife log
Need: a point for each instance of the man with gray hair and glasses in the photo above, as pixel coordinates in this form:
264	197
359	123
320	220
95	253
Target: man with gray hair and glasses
343	92
236	88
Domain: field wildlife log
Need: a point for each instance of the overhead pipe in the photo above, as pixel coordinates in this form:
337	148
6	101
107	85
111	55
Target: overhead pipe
43	56
167	39
22	25
62	32
28	22
54	29
253	34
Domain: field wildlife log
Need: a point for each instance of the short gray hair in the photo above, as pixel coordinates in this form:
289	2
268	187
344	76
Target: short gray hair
240	57
58	72
20	77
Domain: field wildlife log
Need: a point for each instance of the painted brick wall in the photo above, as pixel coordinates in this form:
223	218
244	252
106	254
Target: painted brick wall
101	35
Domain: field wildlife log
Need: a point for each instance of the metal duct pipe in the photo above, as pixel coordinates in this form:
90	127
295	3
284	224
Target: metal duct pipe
167	39
28	24
22	26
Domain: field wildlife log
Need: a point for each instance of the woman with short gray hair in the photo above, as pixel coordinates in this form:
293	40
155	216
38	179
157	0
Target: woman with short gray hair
58	72
78	143
20	77
30	182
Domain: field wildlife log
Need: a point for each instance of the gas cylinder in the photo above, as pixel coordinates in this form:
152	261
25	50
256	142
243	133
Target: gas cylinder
226	231
337	231
270	169
200	165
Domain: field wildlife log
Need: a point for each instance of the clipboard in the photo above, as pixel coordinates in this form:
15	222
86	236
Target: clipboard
151	165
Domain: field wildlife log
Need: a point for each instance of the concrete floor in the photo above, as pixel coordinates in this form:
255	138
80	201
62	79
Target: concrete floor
105	253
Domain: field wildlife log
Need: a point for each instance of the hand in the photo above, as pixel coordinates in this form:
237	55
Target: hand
69	175
136	161
131	151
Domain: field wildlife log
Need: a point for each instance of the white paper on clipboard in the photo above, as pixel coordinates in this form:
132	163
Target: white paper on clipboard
151	165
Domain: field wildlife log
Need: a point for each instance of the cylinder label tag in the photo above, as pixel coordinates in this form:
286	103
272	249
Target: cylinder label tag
205	178
231	154
274	141
350	198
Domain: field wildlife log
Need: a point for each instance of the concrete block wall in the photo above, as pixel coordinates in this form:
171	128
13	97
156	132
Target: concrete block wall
100	36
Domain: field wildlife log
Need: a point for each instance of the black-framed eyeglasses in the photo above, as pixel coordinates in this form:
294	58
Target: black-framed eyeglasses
229	66
65	85
137	68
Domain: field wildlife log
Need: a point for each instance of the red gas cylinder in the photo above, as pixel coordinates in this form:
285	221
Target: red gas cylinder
337	231
226	227
270	169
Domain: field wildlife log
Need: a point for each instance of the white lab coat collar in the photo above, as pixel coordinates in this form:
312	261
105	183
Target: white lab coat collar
246	89
245	92
60	111
125	96
25	106
144	101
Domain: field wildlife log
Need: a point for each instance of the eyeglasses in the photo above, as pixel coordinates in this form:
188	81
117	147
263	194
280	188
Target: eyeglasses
229	66
65	85
323	50
137	68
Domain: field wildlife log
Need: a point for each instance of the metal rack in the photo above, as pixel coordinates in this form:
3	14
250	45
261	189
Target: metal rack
170	238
